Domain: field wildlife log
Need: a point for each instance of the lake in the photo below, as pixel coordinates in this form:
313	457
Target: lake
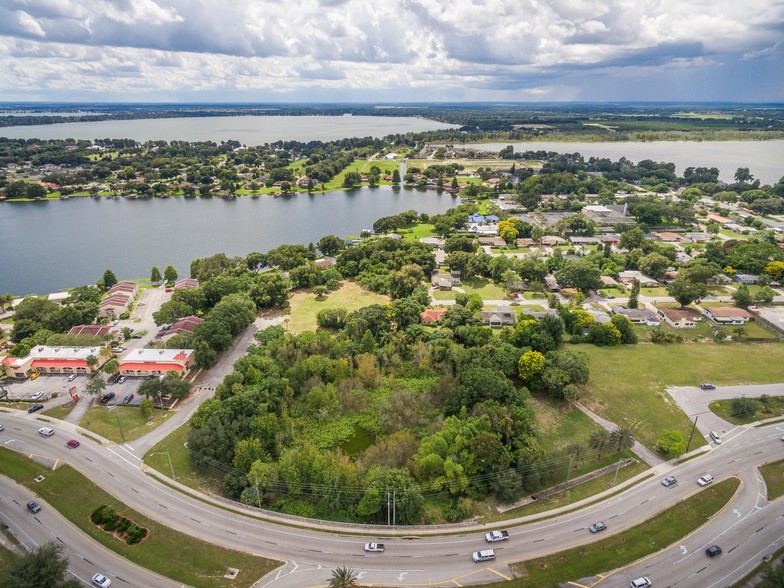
51	245
765	159
248	130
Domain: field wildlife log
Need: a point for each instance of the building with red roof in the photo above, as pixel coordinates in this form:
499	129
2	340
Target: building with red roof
53	360
155	362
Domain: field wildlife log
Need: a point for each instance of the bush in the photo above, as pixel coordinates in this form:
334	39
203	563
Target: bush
744	408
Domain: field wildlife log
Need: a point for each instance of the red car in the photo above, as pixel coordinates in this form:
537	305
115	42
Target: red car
73	444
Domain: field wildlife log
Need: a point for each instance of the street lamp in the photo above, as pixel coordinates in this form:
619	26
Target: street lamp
170	461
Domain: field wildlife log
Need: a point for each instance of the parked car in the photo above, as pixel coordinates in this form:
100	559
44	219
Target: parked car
101	581
121	379
716	437
72	377
35	375
713	550
107	397
127	398
37	396
707	386
641	582
705	479
669	481
117	349
33	506
374	547
46	431
73	444
141	304
596	527
35	407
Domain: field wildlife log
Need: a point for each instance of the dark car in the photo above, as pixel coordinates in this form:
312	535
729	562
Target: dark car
73	444
35	407
596	527
107	397
707	386
127	398
33	506
713	550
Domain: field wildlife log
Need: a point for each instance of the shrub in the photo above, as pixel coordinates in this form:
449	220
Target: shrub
744	408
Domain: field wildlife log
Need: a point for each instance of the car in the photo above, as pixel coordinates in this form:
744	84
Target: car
33	506
117	349
37	396
484	555
374	547
71	378
713	550
669	481
35	407
46	431
705	479
610	297
106	397
596	527
127	398
121	379
2	427
102	581
136	336
707	386
35	375
73	444
141	304
716	437
641	582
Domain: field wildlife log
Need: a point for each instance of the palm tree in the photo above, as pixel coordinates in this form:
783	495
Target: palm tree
600	440
578	452
622	438
343	577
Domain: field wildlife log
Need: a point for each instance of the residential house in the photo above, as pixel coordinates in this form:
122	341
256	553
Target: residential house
608	281
499	317
748	279
639	316
599	316
114	305
184	325
155	362
717	218
552	283
553	240
186	283
628	277
680	318
52	360
325	262
608	216
728	315
492	242
432	315
670	237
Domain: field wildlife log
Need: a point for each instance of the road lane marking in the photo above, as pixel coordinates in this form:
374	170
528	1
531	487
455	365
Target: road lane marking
504	576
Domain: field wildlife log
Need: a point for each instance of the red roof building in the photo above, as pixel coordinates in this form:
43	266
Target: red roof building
432	315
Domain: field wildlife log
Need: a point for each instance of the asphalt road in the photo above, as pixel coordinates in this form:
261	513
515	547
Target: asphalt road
446	560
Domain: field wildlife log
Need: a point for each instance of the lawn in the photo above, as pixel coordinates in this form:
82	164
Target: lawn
197	562
304	305
484	287
58	412
774	408
125	423
6	558
774	479
624	548
627	384
417	231
654	292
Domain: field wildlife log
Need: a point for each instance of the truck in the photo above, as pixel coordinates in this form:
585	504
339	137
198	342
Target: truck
494	536
374	547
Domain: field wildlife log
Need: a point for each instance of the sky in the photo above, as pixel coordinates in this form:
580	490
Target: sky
391	50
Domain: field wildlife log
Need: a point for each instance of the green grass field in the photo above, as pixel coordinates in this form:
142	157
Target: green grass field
620	550
774	479
304	305
484	287
723	408
197	562
627	384
6	558
125	423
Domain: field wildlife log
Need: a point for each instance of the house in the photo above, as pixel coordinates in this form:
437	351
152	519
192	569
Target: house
670	237
639	316
552	283
128	288
540	314
155	362
477	219
52	360
748	279
525	242
728	315
717	218
599	316
628	277
608	281
455	274
441	282
432	315
94	330
608	216
492	242
584	240
433	242
186	283
184	325
114	305
680	318
325	262
503	315
553	240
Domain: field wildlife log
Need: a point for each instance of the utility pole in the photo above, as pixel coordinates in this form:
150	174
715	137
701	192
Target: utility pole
615	479
388	512
569	471
694	426
393	507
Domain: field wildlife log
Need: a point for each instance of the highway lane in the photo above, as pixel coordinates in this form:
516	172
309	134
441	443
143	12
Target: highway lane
86	556
425	560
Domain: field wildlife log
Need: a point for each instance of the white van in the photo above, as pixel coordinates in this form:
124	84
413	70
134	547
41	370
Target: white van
485	555
716	437
46	432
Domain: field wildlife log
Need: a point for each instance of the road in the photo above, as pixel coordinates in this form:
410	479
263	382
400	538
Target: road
86	557
439	560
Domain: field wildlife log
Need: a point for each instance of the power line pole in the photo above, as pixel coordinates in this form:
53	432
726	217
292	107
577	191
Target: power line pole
694	426
388	512
394	502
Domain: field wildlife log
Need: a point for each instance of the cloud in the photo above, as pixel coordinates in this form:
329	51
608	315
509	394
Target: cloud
404	46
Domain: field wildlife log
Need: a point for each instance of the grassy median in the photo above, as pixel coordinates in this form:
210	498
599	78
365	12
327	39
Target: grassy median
165	551
624	548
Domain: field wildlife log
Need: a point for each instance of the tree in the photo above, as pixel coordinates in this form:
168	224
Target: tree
109	279
95	385
577	451
343	577
330	244
625	328
507	231
6	300
600	441
622	438
170	274
632	239
654	265
146	406
43	566
581	274
764	295
92	362
686	291
320	291
744	408
775	269
155	275
635	294
671	444
742	296
530	365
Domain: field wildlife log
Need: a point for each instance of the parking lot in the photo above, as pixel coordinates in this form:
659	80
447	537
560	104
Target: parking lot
55	389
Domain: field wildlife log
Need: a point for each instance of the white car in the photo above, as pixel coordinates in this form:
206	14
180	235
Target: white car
716	437
705	479
641	582
37	395
102	581
374	547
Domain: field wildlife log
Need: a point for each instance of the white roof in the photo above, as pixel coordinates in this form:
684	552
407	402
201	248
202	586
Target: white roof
154	355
